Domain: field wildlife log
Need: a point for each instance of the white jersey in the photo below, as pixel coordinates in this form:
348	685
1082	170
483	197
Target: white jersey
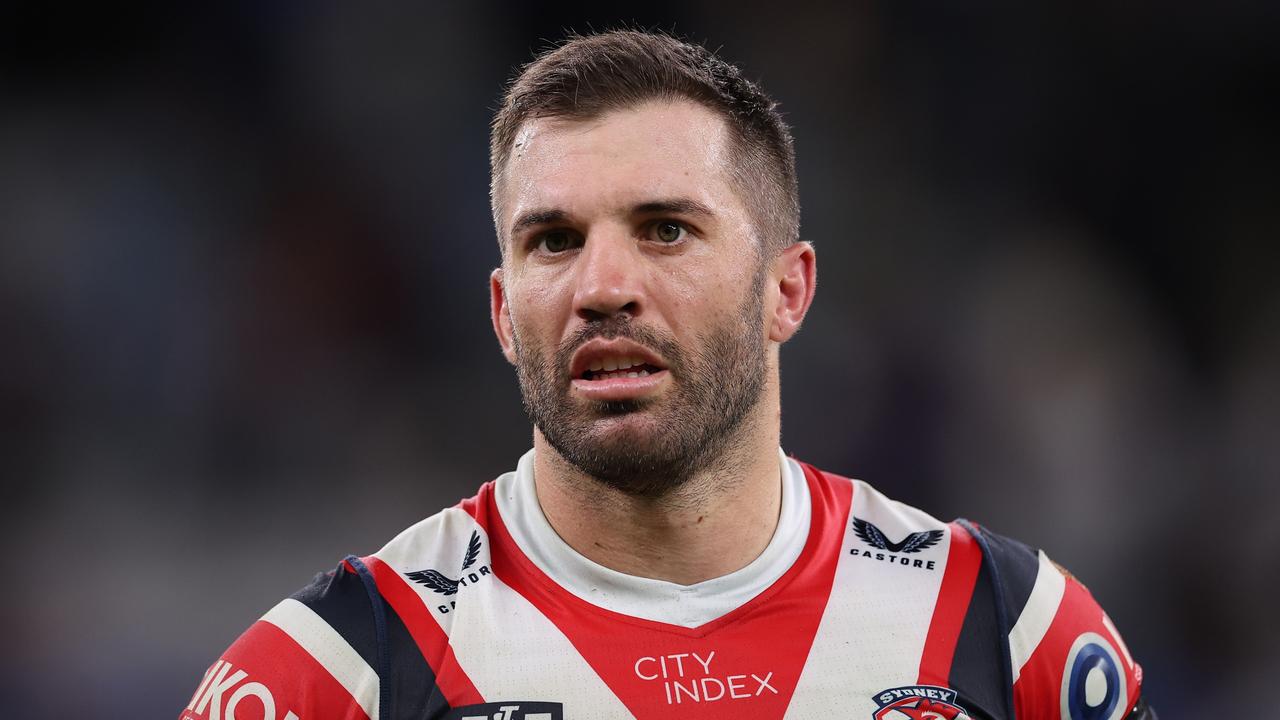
860	607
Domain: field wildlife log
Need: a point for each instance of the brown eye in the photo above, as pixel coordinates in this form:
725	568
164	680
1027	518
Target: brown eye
556	241
669	232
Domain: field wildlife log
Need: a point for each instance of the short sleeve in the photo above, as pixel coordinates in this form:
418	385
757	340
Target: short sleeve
1066	657
293	663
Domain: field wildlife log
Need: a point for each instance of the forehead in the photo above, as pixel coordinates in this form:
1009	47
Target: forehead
661	149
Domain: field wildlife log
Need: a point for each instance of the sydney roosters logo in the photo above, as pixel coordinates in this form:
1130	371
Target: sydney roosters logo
446	585
918	702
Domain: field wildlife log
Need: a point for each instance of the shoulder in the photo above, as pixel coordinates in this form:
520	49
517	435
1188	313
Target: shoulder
443	539
1014	632
1066	656
314	649
878	521
340	647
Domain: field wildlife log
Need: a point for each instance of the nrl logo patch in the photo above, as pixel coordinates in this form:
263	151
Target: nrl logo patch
918	702
510	710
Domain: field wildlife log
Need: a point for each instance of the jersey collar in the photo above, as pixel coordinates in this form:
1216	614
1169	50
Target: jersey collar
655	600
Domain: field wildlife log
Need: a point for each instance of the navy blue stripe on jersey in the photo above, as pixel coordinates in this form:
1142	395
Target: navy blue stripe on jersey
979	648
339	598
412	681
1017	565
342	600
380	634
992	566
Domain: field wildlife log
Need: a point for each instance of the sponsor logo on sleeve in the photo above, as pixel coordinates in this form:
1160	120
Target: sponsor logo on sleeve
510	710
447	586
1093	681
918	702
224	689
895	553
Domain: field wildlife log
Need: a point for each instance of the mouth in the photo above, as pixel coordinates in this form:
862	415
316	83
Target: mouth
618	369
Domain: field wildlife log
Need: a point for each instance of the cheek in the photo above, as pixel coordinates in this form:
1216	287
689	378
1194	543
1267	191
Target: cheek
695	307
677	298
731	267
537	310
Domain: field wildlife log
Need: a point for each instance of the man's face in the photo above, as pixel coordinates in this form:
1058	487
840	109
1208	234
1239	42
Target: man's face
631	294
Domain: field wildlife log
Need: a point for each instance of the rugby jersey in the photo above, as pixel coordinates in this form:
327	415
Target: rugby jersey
859	607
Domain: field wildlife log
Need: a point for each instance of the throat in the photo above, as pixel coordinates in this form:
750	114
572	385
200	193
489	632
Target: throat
711	529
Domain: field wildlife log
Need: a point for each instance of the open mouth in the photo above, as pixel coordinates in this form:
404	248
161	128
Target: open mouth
612	368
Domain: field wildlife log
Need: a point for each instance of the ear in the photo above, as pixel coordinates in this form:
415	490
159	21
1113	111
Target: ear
795	275
500	313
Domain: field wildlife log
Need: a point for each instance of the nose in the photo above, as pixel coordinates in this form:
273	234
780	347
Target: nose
610	277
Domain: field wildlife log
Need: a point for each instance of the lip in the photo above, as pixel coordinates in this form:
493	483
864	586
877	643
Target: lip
615	389
621	388
601	348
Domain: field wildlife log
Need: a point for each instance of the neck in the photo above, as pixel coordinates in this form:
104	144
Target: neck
717	522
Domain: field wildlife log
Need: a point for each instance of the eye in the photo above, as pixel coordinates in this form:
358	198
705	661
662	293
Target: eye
556	241
669	232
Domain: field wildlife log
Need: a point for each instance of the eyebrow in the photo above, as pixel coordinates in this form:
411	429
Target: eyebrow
537	217
675	206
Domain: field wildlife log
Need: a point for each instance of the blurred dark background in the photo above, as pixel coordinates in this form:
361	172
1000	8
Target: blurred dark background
244	313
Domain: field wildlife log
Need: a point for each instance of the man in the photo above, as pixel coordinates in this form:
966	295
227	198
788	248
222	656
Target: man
656	555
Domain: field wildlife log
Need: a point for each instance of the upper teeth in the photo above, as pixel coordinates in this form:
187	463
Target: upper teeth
610	364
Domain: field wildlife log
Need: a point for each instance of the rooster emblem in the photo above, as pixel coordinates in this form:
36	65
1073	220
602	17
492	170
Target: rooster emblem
440	582
913	543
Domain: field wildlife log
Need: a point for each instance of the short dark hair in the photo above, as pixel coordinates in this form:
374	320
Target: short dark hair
589	75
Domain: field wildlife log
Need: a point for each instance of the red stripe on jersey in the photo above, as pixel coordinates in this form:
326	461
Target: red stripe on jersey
1038	691
454	684
963	561
471	505
268	675
750	658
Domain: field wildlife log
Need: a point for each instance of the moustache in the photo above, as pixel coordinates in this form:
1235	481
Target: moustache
611	328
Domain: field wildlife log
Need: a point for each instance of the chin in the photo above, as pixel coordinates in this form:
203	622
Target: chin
623	427
617	408
627	453
617	436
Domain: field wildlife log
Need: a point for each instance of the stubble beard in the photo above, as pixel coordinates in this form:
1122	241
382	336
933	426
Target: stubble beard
694	427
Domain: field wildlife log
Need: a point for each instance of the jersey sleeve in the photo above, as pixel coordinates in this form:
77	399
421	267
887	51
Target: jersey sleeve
1066	657
308	657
